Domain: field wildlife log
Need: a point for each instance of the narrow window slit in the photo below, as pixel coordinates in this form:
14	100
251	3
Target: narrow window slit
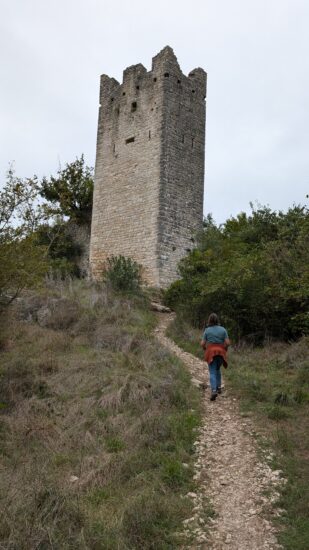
130	140
133	106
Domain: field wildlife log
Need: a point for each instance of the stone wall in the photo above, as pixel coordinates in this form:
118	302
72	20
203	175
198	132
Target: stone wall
148	194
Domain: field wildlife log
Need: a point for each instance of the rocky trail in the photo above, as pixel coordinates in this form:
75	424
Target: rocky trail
232	477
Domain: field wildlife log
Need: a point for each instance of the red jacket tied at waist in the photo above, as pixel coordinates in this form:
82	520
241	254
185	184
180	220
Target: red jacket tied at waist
215	349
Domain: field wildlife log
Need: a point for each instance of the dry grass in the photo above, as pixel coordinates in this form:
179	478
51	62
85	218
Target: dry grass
96	421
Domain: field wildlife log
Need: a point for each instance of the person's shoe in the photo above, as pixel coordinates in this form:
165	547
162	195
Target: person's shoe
213	396
219	389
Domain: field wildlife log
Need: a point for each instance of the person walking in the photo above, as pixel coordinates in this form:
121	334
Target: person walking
215	342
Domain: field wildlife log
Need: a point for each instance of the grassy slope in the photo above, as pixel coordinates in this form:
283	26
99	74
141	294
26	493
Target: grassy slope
273	385
92	396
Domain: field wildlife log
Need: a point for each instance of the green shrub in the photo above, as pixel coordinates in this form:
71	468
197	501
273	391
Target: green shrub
123	273
252	271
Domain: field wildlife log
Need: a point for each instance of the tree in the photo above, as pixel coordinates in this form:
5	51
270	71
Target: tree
71	191
253	271
22	262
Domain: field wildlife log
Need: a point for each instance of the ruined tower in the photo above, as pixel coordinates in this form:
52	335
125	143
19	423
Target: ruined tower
149	173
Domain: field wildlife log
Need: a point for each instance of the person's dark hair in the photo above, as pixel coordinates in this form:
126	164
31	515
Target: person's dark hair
213	319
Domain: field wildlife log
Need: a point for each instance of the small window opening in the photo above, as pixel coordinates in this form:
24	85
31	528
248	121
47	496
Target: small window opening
155	79
178	81
192	240
174	248
123	93
188	249
130	140
149	134
151	109
112	99
137	87
166	75
192	143
133	106
193	91
183	138
114	148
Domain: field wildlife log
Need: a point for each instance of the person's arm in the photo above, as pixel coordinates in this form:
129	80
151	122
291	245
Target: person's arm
227	342
203	344
204	341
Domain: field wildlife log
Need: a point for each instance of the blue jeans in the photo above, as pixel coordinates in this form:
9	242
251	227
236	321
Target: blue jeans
215	372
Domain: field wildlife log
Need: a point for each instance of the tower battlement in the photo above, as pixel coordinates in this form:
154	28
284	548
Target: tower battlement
148	194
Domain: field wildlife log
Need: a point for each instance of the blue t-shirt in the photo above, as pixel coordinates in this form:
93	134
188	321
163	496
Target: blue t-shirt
215	334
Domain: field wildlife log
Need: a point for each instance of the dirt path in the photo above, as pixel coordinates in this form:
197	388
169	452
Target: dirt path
228	470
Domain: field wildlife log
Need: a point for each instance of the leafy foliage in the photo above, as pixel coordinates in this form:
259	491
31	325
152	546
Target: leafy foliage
252	270
62	250
123	273
71	191
22	262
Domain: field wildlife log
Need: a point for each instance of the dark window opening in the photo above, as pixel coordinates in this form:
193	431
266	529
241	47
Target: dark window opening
151	109
123	93
178	81
174	248
204	97
166	75
192	143
117	111
192	240
155	80
112	99
130	140
133	106
149	135
137	87
183	138
188	249
193	91
114	148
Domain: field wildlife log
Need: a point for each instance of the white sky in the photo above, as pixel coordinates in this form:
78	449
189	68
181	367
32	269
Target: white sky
256	54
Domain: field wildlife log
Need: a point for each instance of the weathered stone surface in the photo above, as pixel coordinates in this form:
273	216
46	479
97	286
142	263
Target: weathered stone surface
148	195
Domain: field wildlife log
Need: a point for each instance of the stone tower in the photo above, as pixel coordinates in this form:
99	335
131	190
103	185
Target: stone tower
149	173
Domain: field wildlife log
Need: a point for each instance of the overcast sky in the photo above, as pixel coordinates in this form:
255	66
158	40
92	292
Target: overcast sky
256	54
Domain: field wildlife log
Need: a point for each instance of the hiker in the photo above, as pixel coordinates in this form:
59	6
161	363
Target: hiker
215	342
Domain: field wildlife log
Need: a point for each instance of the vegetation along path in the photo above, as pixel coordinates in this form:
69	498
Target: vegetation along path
230	474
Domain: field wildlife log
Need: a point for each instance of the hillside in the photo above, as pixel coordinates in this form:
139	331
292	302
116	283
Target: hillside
97	424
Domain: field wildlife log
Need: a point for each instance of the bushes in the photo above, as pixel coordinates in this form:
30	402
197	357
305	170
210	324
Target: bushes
123	273
252	271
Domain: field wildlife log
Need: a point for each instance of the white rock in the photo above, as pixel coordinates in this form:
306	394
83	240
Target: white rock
73	479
